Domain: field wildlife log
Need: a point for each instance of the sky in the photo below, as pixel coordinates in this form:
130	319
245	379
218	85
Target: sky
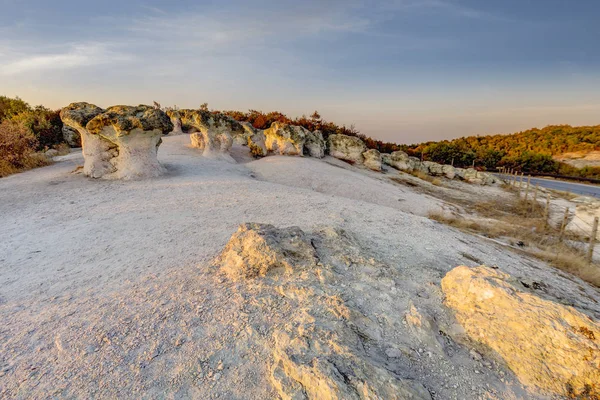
404	71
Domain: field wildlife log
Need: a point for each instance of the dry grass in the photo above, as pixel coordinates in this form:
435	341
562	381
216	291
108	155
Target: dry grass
426	177
522	223
30	161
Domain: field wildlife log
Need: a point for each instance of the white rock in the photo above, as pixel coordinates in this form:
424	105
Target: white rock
349	148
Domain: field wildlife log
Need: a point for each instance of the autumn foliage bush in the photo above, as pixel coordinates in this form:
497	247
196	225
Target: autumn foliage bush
18	148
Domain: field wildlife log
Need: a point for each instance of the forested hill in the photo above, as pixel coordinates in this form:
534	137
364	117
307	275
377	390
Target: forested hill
530	151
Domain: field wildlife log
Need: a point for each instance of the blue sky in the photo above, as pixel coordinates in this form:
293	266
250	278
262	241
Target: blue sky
400	70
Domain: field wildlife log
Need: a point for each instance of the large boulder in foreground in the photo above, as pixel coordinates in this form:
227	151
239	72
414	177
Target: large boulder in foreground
372	159
216	131
137	132
348	148
552	347
255	249
285	139
98	152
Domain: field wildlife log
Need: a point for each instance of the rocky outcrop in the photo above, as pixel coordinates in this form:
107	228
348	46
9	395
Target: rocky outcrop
120	142
71	136
549	346
314	145
348	148
433	168
286	140
176	121
242	138
471	175
372	159
256	144
98	152
136	132
215	132
449	171
398	160
316	330
255	249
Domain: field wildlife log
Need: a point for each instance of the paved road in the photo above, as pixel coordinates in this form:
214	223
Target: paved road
577	188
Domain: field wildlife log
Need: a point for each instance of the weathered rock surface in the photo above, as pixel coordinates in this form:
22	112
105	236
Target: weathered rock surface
449	171
318	335
552	347
136	131
255	249
176	121
71	136
372	159
98	152
347	148
314	145
242	138
398	160
256	144
286	140
216	131
433	168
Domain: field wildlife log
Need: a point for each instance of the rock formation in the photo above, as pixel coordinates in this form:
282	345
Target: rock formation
552	347
347	148
286	140
256	144
176	121
242	138
314	145
398	160
317	340
372	159
98	152
136	132
71	136
216	131
119	143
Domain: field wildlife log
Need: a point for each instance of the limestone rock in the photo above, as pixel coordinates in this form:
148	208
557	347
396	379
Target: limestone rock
256	144
255	249
176	121
552	347
314	145
349	148
460	173
449	171
98	152
286	140
372	159
398	160
136	131
71	136
242	138
434	169
216	131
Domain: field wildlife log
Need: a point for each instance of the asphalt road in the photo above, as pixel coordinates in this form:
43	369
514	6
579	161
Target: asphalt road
577	188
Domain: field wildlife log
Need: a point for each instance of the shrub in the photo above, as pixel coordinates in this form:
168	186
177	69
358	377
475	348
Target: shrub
44	124
17	148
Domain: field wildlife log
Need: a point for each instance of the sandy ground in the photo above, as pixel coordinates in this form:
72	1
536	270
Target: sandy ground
108	290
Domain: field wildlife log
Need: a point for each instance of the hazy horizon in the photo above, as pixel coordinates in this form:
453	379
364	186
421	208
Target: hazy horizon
404	71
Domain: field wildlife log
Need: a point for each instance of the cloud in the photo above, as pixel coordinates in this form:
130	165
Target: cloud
450	8
75	56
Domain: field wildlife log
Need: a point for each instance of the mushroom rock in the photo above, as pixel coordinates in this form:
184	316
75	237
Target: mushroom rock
176	121
136	131
256	144
314	144
215	129
285	139
98	152
242	138
344	147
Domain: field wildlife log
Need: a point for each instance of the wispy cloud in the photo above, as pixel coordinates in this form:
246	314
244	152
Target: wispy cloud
74	56
449	7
